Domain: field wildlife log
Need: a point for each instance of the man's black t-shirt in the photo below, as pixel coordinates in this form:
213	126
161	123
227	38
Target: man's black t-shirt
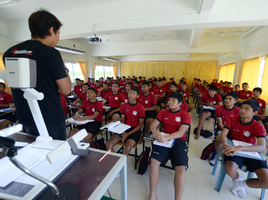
50	68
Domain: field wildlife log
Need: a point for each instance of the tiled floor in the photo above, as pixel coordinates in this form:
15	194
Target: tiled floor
199	183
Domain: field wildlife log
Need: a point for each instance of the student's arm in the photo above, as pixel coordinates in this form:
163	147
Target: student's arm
99	93
153	127
178	134
76	102
94	116
205	104
219	122
125	135
153	108
78	113
104	101
217	105
64	85
5	105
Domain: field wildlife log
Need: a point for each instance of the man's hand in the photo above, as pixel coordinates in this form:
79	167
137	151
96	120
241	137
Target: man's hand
156	134
124	136
196	137
230	150
76	117
161	138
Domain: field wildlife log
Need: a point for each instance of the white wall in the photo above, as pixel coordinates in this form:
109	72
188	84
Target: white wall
228	58
4	43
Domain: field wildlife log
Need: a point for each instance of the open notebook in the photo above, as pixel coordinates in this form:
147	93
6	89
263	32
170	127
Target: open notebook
71	120
247	154
116	127
167	144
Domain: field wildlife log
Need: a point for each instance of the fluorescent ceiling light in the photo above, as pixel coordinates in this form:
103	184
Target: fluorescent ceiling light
225	33
6	3
154	37
69	50
108	58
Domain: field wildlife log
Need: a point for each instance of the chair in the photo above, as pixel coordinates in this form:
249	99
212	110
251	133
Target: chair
137	157
222	174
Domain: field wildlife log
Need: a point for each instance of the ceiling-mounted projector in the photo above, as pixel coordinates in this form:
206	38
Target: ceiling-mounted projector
95	39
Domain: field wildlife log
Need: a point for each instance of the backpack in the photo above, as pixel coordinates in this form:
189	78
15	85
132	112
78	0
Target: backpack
144	161
98	144
203	133
209	149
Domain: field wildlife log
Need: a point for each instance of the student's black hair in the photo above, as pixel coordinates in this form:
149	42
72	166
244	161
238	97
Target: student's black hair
150	83
232	94
77	79
213	87
140	76
159	80
1	83
184	84
93	89
237	85
173	83
145	83
93	79
229	82
177	96
123	77
86	84
109	78
136	82
97	81
106	84
257	89
129	84
163	79
253	104
41	21
244	83
136	89
180	91
199	80
181	81
116	84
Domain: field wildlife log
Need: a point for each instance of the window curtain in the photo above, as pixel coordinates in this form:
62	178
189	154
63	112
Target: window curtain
205	70
95	66
2	67
227	72
250	72
264	82
83	67
114	70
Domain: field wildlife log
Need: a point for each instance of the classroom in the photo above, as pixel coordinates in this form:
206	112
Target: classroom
213	42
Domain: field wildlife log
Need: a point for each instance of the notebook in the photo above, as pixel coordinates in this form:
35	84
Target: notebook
167	144
116	127
71	120
208	108
248	154
7	109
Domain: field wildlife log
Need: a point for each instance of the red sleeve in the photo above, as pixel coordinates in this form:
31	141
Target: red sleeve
228	123
98	107
187	94
106	96
9	98
121	98
203	98
160	115
218	111
141	112
219	99
250	93
84	105
186	119
184	107
259	130
153	98
122	108
264	104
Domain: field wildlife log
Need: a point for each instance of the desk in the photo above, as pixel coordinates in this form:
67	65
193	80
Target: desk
91	177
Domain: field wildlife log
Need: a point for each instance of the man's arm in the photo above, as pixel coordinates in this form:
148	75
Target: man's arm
153	108
175	135
153	127
219	122
64	85
217	105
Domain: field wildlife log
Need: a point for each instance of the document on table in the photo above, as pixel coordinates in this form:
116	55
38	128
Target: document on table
246	153
71	120
167	144
116	127
29	156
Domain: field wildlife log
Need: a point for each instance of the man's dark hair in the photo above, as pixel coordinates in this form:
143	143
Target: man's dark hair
184	84
86	84
106	84
129	84
237	85
257	89
229	83
1	83
177	96
136	82
244	83
145	83
213	87
91	88
116	83
253	104
150	83
173	83
136	89
77	79
41	21
97	81
233	94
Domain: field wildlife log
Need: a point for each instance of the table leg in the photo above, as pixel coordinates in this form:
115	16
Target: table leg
123	180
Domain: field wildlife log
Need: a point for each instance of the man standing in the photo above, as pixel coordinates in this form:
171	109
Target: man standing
51	74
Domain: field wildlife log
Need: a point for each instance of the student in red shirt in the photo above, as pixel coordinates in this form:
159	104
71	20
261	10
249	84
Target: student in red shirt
244	94
261	117
5	98
101	82
98	87
198	85
126	91
175	123
114	100
186	96
93	110
78	88
160	93
173	88
245	129
123	83
132	114
213	100
82	97
228	89
149	102
104	91
221	114
92	83
237	88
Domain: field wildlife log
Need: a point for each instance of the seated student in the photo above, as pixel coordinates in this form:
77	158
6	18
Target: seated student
98	87
123	83
213	100
244	94
6	99
78	88
221	114
198	85
104	91
114	100
126	91
160	93
132	114
101	82
82	97
93	110
173	88
92	83
237	88
151	90
175	123
186	96
228	88
149	102
10	118
245	129
261	117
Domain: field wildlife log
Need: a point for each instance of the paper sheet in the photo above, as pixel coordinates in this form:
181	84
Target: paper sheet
167	144
246	153
71	120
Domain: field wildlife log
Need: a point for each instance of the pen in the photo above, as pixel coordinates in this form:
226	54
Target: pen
105	155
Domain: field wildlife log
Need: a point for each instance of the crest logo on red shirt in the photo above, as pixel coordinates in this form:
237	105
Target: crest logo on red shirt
93	109
116	98
260	104
146	102
247	95
177	119
214	102
246	133
134	112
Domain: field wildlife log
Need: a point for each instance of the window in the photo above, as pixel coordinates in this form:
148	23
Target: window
74	71
103	71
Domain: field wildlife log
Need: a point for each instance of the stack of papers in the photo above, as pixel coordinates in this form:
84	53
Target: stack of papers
71	120
167	144
248	154
106	107
116	127
208	108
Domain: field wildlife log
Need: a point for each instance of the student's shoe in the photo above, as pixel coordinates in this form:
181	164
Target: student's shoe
212	162
236	190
